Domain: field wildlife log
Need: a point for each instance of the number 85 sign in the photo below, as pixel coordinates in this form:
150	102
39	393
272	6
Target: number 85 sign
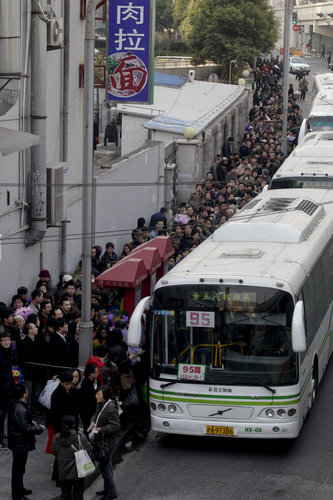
200	318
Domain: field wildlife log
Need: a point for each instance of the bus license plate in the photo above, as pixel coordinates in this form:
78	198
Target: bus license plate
219	431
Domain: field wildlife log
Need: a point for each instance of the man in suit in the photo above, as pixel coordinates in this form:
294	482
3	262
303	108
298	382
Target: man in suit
59	349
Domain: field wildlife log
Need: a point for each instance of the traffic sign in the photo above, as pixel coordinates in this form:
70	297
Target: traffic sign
295	27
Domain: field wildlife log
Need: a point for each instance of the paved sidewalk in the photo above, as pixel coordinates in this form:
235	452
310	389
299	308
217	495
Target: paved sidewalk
39	471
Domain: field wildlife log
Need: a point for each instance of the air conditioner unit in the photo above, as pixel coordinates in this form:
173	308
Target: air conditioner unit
55	32
56	202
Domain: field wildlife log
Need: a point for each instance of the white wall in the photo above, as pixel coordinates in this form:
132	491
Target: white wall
133	133
128	191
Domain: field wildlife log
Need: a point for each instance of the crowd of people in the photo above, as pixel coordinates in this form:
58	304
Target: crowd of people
39	349
39	331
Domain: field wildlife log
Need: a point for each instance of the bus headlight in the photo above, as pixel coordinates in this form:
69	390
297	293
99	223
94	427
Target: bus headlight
172	408
153	406
281	412
292	412
270	413
161	407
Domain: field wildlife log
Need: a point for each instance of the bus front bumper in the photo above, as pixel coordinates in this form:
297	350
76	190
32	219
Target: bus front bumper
264	430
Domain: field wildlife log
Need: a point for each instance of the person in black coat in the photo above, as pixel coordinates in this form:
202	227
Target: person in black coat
6	382
59	348
30	351
21	439
62	402
87	398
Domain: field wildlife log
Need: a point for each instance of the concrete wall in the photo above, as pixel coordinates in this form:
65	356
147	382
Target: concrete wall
133	187
201	72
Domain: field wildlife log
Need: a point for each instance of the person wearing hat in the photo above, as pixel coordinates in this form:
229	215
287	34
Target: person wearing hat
45	276
64	278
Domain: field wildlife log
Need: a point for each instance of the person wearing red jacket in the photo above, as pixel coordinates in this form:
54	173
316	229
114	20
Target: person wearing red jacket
102	353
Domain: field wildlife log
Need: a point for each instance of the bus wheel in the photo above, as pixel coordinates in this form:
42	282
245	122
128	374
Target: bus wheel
314	388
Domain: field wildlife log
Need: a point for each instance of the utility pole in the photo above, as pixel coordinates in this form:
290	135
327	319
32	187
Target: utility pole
86	326
286	47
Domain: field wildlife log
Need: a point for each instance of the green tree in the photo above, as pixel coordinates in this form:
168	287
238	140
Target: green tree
222	30
180	11
164	14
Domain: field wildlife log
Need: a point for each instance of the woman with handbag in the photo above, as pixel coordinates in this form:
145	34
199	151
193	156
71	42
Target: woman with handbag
63	448
104	424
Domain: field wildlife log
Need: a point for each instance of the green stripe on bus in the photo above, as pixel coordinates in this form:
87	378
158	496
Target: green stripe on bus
218	396
223	402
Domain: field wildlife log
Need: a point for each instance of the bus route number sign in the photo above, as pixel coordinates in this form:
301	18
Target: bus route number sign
200	318
191	372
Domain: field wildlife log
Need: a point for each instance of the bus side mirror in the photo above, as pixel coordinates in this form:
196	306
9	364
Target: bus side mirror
298	328
134	329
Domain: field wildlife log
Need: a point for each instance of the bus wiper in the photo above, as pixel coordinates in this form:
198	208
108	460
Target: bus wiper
263	384
259	382
174	382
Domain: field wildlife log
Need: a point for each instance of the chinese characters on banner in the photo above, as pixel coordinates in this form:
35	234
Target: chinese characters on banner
130	51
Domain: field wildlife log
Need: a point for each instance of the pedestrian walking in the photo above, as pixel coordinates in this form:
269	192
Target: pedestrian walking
303	87
21	438
104	424
329	58
322	53
64	446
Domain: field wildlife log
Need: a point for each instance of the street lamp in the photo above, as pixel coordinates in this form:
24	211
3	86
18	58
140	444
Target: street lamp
230	67
189	133
169	30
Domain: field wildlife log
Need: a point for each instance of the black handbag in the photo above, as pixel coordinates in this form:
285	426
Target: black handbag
101	451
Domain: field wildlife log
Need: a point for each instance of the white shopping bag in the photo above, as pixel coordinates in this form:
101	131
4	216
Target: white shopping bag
84	464
45	395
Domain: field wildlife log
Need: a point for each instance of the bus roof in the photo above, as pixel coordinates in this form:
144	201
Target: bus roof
324	80
314	144
322	103
273	241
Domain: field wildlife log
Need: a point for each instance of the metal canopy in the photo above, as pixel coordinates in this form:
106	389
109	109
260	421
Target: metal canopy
12	141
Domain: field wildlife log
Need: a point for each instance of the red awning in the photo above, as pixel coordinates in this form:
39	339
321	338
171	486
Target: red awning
150	256
129	273
164	246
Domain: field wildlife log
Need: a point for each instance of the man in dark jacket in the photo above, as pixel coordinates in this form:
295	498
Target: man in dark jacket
6	383
62	401
87	396
59	349
30	351
21	439
159	215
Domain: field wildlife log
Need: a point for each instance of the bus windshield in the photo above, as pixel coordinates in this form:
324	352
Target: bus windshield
217	334
320	123
303	182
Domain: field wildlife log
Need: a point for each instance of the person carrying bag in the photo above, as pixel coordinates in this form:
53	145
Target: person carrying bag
105	423
72	454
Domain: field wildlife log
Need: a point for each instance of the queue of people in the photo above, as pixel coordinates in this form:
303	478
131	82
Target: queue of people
39	331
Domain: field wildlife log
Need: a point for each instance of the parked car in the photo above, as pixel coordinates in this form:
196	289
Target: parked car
296	63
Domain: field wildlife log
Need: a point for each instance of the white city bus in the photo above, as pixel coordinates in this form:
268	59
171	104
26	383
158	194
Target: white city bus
321	114
310	165
241	329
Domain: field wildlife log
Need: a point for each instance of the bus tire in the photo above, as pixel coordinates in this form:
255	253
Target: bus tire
314	386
